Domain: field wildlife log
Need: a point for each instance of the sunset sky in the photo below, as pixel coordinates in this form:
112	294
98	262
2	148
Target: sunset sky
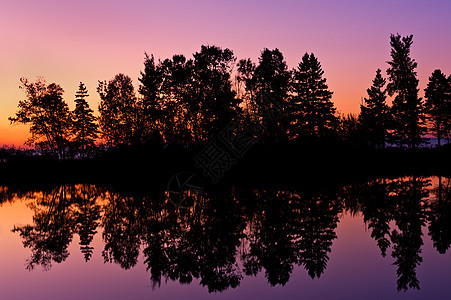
71	41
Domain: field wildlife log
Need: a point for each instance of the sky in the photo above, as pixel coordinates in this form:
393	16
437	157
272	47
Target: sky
90	40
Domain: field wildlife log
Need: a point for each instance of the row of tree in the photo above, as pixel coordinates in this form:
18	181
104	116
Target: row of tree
405	122
53	126
266	229
186	101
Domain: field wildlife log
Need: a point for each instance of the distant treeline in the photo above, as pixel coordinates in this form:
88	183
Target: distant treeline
189	101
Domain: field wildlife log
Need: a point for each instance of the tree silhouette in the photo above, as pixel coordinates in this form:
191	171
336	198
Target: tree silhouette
118	111
87	216
272	230
84	127
196	243
122	231
378	209
151	103
52	231
177	105
186	101
407	108
47	114
316	228
312	111
267	87
438	103
374	114
245	84
270	242
440	217
409	216
213	95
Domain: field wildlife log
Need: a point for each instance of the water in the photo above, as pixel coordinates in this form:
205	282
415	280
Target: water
387	238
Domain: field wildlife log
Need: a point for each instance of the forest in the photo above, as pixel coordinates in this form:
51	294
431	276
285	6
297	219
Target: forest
185	103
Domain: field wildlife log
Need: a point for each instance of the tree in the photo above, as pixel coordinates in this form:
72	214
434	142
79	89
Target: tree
312	111
87	216
52	231
151	102
47	114
374	114
176	94
407	108
84	127
213	90
246	84
440	216
409	216
118	111
190	100
438	104
268	87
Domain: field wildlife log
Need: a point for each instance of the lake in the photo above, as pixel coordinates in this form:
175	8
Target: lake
379	238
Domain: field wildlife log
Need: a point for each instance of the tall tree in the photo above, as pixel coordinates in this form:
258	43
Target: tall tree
118	117
47	114
268	85
84	127
213	90
191	99
407	108
438	104
374	114
176	94
312	111
246	83
151	102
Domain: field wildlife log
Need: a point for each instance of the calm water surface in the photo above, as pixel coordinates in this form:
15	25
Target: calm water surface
387	238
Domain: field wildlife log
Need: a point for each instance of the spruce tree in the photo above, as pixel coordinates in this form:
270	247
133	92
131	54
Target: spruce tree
312	111
407	108
438	103
84	127
374	113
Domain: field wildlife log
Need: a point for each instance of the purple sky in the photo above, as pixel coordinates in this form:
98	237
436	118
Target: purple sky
71	41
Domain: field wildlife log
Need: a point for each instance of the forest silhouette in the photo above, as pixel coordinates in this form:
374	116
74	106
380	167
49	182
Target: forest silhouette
183	104
234	232
183	101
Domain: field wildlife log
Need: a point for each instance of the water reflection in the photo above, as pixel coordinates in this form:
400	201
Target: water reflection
236	232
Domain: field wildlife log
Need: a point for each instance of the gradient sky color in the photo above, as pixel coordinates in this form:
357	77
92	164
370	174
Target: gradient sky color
71	41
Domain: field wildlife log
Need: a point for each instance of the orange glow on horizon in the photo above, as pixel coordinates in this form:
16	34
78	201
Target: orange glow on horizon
49	40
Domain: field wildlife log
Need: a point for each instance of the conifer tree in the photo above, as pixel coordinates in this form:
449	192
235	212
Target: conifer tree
312	111
407	108
438	104
374	113
84	127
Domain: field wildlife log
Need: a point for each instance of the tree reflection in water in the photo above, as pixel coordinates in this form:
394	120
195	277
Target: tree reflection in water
235	231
